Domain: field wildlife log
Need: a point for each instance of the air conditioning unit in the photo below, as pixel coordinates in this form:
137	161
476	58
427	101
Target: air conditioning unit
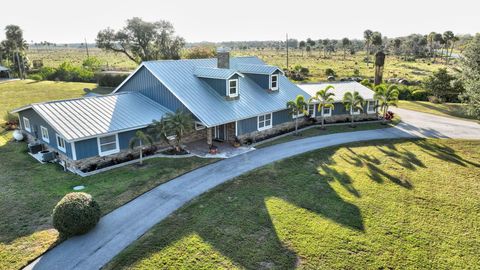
47	155
34	148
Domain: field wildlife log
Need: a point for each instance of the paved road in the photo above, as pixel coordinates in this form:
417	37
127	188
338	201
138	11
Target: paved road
121	227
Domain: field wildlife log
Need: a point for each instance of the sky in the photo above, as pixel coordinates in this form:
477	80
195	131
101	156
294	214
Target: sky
211	20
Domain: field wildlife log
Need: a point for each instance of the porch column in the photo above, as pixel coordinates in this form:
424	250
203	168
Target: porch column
209	136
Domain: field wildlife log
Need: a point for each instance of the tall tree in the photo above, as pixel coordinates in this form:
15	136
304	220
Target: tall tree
470	76
302	46
443	86
439	41
447	37
367	35
431	45
353	102
142	41
297	108
13	48
346	43
453	41
377	40
324	99
386	97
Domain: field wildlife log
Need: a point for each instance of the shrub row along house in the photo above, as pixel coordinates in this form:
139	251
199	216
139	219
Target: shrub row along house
229	98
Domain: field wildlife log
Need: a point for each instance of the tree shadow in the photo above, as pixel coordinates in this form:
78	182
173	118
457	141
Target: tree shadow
236	222
443	152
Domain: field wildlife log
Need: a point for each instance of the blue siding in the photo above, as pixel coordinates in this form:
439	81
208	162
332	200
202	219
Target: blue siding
247	125
219	85
144	82
86	148
35	122
124	138
281	117
260	79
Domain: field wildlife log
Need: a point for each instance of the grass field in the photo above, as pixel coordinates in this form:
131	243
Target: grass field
318	131
444	109
29	191
374	205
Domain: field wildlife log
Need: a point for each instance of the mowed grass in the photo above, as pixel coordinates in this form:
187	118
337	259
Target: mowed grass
30	190
443	109
372	205
15	94
329	129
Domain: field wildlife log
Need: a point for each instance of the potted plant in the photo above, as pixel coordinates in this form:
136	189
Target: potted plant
236	142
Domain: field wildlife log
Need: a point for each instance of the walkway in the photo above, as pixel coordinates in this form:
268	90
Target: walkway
121	227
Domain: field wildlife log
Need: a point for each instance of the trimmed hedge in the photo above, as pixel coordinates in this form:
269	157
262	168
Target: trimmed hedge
420	95
76	213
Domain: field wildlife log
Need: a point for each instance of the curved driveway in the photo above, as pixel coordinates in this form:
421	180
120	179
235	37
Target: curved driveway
124	225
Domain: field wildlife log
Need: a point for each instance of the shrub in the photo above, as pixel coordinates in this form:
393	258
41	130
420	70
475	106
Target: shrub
76	213
404	93
330	72
35	77
420	95
389	116
110	80
11	121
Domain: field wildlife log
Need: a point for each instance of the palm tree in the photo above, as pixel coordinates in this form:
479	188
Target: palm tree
346	45
431	40
172	128
367	35
447	37
297	107
140	139
386	97
353	102
454	39
325	100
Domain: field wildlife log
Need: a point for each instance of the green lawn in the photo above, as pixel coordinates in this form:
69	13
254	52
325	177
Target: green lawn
29	191
19	93
318	131
444	109
372	205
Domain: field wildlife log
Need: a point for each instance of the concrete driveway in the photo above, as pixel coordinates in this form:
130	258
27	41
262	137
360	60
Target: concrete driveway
121	227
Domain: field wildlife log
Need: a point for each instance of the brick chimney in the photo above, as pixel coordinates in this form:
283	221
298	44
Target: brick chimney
223	57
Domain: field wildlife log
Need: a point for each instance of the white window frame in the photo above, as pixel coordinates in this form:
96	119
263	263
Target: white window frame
61	139
43	132
236	88
113	151
327	114
271	82
265	126
298	115
26	124
199	126
368	106
356	112
313	110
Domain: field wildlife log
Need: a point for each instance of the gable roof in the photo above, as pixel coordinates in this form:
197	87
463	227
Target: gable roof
340	89
83	118
206	104
258	69
215	73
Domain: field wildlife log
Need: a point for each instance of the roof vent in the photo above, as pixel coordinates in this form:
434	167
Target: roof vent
223	57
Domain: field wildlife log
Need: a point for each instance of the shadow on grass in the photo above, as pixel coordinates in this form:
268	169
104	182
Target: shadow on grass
234	219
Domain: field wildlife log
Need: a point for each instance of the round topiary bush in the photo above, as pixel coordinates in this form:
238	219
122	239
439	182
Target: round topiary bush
76	213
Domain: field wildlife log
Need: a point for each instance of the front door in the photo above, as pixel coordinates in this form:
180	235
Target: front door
220	133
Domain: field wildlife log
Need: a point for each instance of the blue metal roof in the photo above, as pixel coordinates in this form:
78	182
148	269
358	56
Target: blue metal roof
258	69
2	68
215	73
83	118
207	105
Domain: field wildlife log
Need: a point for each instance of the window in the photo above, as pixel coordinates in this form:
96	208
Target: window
199	126
44	132
61	143
265	121
26	124
233	88
108	145
311	110
356	111
274	82
371	106
327	111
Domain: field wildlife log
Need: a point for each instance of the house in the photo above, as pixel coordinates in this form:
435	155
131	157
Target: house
229	98
339	113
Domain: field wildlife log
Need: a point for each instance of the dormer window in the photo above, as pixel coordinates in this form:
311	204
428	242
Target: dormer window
274	82
233	88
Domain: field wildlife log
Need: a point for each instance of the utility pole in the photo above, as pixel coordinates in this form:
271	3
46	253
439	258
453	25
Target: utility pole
286	45
86	47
